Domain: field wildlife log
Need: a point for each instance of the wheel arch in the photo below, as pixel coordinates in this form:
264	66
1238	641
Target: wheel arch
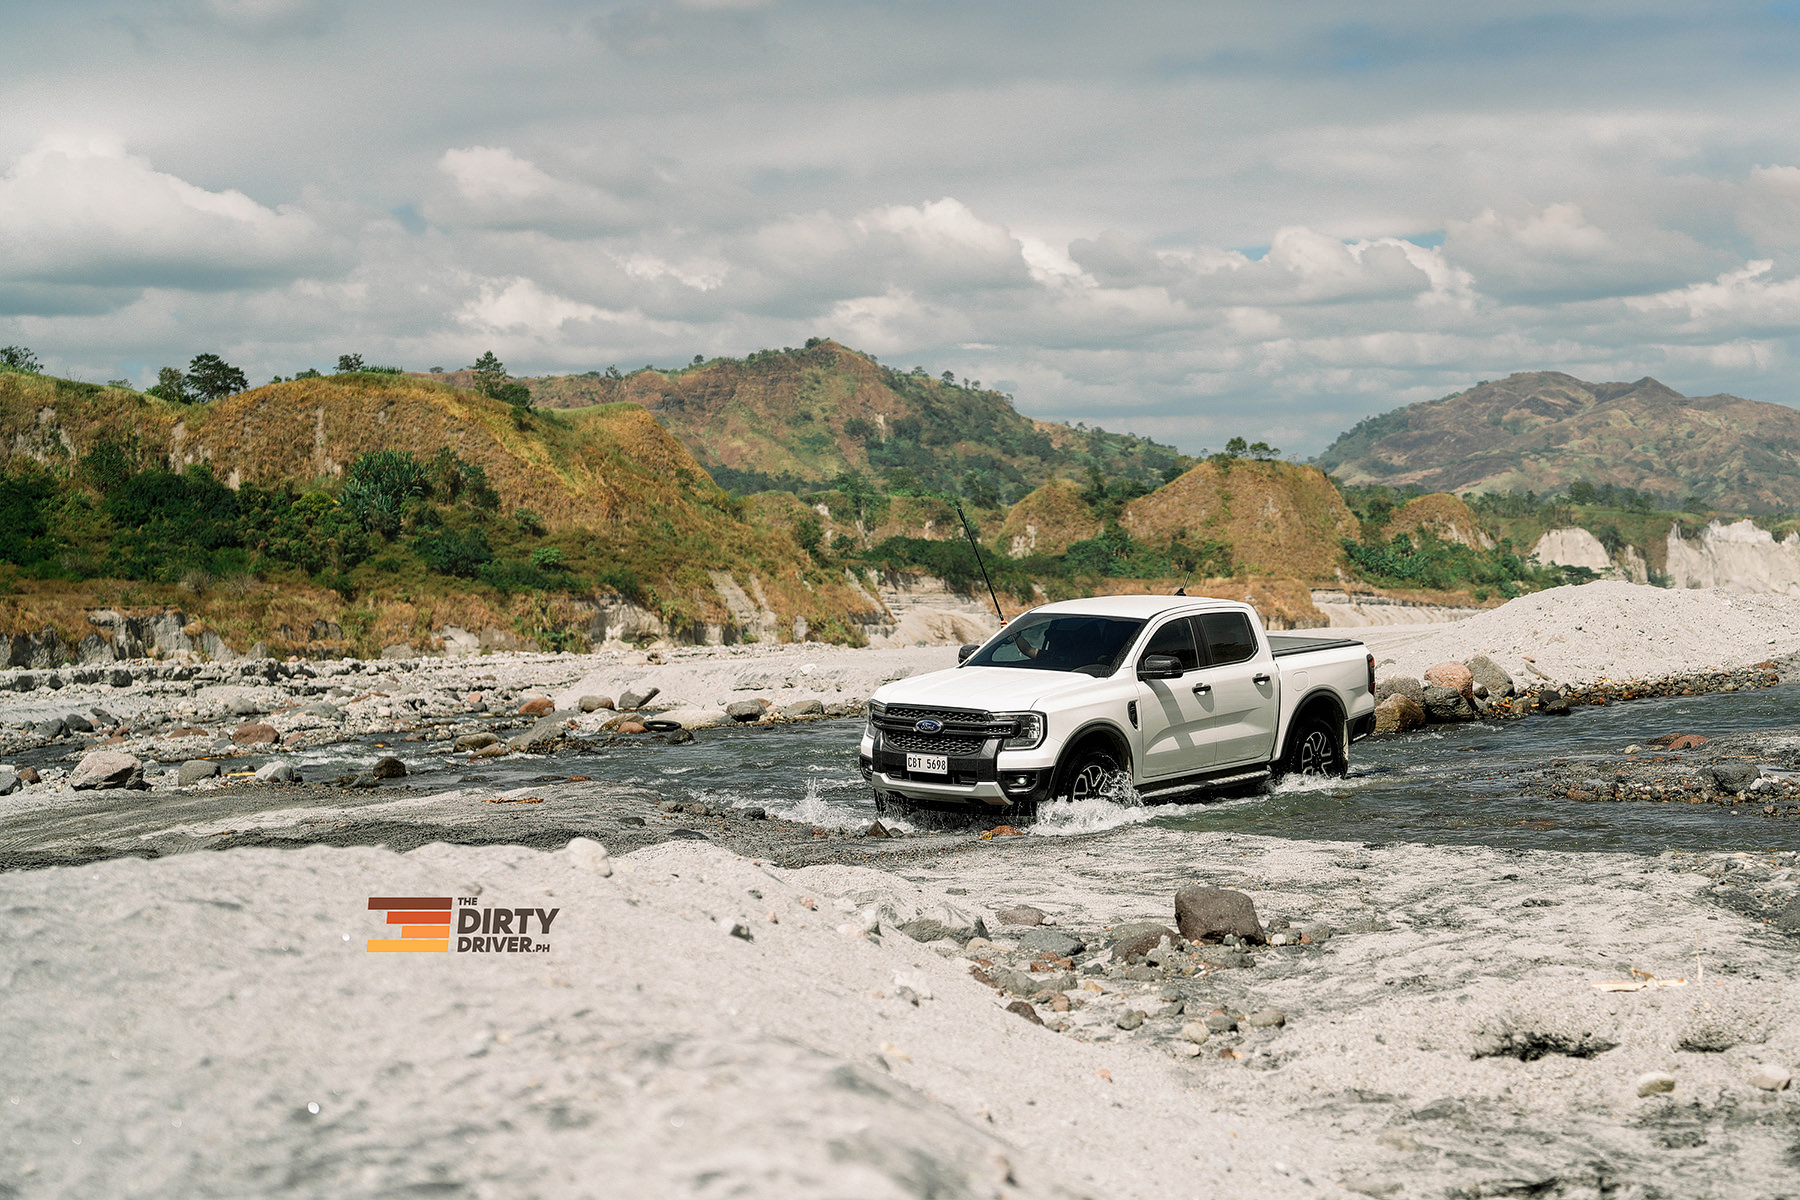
1320	702
1099	732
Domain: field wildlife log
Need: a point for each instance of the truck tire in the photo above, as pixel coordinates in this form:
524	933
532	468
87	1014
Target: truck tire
1093	772
1316	747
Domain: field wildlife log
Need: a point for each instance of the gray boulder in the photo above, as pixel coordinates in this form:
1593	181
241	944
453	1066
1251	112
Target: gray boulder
1553	702
475	741
195	769
544	732
107	769
325	711
1400	685
1735	777
1491	675
76	723
53	728
804	708
1143	941
745	710
1204	913
276	772
119	677
1444	704
594	703
9	781
1020	914
244	706
1053	942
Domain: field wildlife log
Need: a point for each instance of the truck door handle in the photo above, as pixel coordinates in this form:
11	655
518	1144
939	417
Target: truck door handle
1259	678
1200	689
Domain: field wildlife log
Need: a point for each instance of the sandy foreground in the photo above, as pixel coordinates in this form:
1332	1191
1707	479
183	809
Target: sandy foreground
705	1024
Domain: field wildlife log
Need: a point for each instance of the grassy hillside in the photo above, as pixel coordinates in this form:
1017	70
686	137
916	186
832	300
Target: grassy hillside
1278	518
1544	431
797	418
386	504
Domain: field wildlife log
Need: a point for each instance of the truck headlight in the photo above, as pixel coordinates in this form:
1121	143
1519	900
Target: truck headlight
877	710
1028	730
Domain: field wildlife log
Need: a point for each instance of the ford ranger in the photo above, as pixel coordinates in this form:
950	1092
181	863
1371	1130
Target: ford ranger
1174	695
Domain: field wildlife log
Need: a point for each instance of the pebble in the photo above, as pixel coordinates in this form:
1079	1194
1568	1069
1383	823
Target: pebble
1131	1018
1655	1082
1025	1009
1771	1078
1219	1022
1266	1018
1196	1032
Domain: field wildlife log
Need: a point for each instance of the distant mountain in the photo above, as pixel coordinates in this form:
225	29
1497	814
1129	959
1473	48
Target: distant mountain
1543	430
797	418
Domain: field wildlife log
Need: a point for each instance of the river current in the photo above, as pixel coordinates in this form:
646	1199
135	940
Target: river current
1459	784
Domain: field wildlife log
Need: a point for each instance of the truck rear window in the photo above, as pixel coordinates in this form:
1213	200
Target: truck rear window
1229	637
1061	642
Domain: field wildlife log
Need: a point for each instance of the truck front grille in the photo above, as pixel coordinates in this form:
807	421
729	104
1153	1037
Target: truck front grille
930	743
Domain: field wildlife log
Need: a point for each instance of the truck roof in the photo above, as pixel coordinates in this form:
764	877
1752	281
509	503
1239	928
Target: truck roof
1142	607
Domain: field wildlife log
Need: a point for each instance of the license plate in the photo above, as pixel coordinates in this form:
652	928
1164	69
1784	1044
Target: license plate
928	764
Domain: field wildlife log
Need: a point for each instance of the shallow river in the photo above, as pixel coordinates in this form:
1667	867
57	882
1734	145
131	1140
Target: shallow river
1453	784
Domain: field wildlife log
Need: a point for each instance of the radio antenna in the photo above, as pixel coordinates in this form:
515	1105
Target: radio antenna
976	546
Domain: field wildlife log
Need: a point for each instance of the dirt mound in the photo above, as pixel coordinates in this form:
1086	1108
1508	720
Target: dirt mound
1048	521
1445	517
1280	519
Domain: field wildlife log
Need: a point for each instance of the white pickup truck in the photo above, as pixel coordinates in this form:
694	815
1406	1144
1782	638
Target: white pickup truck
1173	694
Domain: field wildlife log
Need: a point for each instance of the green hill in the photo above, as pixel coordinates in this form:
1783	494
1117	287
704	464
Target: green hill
794	419
1544	431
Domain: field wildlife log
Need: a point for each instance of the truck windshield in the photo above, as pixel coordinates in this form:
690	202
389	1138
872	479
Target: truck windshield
1061	642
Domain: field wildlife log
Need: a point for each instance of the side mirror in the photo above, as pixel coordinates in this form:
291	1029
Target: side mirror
1159	666
963	653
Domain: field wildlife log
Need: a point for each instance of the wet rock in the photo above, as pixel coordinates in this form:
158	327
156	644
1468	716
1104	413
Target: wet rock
277	772
1452	676
1553	703
680	737
1266	1018
1655	1083
543	733
1445	705
745	710
632	727
1052	942
804	708
1020	914
495	750
1734	777
758	813
107	769
255	734
1400	685
1398	714
537	706
76	723
9	781
1771	1078
588	704
635	699
1491	675
474	741
388	767
1024	1009
1130	1019
877	830
195	769
1205	913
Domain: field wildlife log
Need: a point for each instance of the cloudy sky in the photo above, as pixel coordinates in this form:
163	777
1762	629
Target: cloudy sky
1190	220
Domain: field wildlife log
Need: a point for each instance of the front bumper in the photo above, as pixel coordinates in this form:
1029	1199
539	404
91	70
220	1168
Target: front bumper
979	779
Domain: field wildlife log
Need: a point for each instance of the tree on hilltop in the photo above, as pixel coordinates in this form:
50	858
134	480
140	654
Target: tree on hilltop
21	359
212	378
491	380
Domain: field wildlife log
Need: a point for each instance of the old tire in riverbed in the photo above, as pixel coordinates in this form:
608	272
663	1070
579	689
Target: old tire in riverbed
1316	748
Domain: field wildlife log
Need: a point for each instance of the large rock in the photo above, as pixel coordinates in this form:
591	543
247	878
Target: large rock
1444	704
1452	675
1053	942
107	769
1490	675
745	710
537	706
9	781
589	704
388	767
1734	777
1400	685
195	769
277	772
635	699
474	741
1398	714
256	734
1553	702
1205	913
696	718
804	708
543	734
52	728
1142	942
76	723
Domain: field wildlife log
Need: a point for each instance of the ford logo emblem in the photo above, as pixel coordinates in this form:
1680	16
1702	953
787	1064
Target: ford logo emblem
929	726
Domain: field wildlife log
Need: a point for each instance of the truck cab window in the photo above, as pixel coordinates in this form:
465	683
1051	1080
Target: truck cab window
1176	639
1228	637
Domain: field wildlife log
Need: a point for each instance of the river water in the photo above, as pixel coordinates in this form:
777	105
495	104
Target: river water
1449	785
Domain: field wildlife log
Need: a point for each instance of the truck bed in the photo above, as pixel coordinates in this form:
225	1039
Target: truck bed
1282	645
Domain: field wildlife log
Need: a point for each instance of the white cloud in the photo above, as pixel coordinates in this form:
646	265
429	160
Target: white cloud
90	215
493	188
